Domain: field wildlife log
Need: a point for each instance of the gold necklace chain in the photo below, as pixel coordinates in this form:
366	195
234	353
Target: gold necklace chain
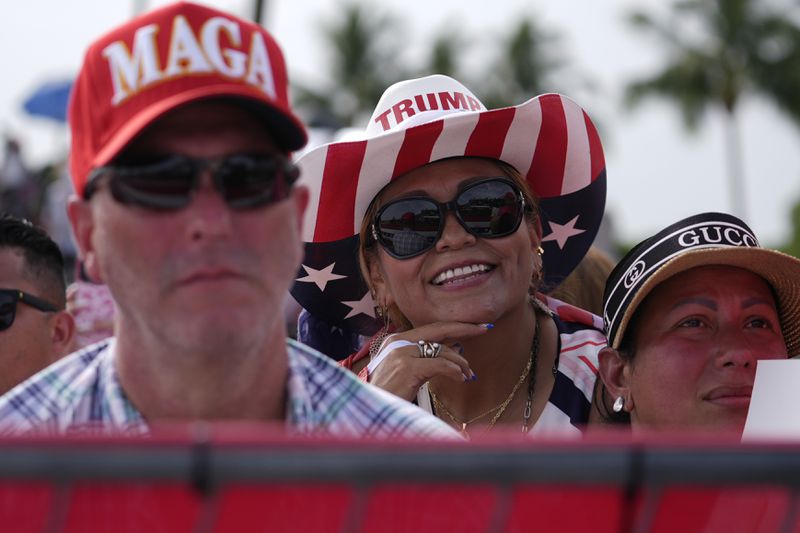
528	412
440	407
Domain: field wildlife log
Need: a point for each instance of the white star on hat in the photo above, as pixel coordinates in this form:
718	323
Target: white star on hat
365	305
562	232
320	277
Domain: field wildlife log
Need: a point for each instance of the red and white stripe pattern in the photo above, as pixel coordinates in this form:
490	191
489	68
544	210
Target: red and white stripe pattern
549	139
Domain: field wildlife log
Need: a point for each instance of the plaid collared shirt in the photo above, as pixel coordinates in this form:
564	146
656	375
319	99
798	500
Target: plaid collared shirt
82	392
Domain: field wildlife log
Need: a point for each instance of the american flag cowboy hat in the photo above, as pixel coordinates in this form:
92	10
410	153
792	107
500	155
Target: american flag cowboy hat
549	139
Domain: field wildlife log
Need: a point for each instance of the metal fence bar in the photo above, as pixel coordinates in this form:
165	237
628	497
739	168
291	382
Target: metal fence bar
206	465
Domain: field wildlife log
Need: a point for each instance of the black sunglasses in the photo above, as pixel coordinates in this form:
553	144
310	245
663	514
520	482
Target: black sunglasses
244	181
8	305
490	208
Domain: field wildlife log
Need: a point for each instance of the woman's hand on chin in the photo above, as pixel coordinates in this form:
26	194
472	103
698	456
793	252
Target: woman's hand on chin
399	367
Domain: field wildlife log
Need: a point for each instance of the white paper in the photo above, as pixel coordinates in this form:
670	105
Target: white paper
775	405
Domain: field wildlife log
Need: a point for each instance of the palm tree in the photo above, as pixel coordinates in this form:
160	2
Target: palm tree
744	47
445	51
362	46
525	67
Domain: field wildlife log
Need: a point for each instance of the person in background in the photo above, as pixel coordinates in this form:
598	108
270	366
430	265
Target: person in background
54	218
336	341
688	313
186	209
17	187
92	307
35	330
584	286
461	216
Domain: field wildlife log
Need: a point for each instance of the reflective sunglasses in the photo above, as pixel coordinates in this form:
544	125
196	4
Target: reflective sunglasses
8	305
244	181
490	208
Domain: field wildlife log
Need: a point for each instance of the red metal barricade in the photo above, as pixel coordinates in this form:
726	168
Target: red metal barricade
257	481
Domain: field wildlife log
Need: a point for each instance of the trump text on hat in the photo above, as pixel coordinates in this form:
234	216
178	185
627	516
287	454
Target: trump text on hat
444	100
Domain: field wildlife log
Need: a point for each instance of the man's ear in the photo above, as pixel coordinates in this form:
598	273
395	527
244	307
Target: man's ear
63	334
615	372
81	218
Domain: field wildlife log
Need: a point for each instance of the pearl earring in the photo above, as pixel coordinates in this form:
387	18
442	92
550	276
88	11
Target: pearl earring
619	403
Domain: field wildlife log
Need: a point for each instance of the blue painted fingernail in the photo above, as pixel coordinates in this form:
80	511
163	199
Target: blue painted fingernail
474	376
487	325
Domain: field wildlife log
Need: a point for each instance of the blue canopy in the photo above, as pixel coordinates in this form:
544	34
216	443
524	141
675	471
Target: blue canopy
49	100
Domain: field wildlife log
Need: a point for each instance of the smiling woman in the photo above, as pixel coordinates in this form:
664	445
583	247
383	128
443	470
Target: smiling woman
688	313
461	216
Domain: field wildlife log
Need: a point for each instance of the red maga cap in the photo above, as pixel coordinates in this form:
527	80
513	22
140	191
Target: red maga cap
163	59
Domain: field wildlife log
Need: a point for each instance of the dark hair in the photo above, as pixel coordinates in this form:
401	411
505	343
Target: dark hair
584	286
43	260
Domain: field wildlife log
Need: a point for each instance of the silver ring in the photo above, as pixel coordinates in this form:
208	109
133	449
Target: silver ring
429	350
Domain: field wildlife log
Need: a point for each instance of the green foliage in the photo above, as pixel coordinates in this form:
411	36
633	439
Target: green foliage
365	50
776	65
685	80
362	49
445	53
525	65
743	46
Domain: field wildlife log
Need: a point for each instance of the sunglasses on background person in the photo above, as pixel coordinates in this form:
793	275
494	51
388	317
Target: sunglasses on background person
9	298
490	208
244	181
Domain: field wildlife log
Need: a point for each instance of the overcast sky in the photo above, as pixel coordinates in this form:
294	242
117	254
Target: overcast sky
657	173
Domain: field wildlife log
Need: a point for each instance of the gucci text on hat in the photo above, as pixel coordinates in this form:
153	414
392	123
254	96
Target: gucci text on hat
167	58
700	240
549	139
